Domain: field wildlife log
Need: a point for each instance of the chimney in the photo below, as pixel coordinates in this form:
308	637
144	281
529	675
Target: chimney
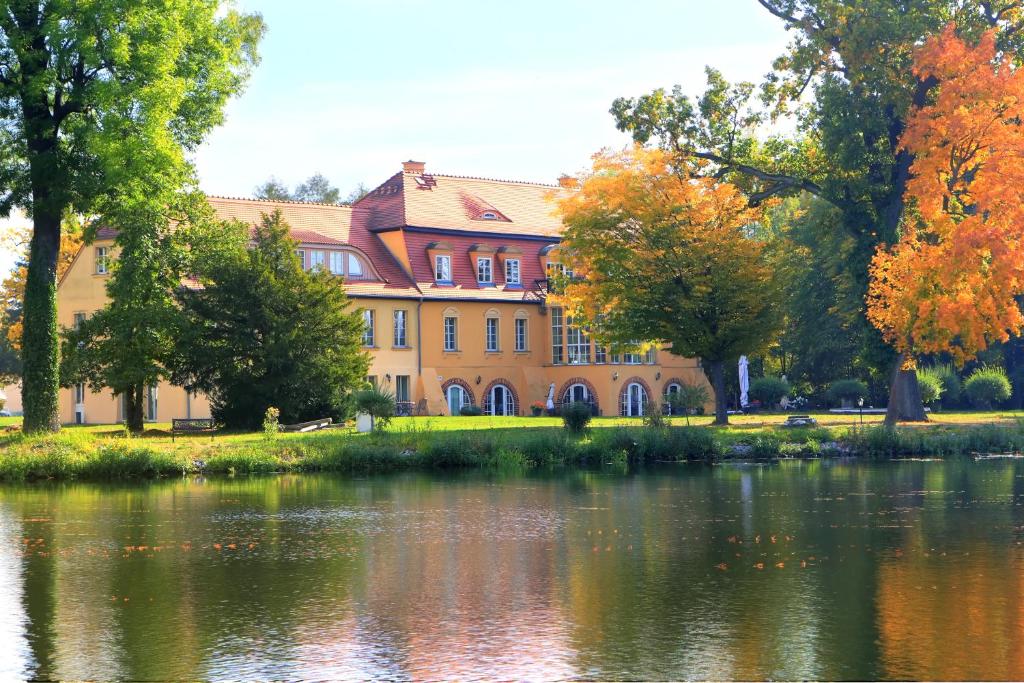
414	166
568	182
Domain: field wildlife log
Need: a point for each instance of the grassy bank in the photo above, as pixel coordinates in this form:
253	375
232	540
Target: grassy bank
109	455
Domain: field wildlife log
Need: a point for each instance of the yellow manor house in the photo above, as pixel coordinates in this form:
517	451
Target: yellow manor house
450	274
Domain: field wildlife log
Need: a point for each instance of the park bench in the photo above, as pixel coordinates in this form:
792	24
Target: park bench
310	426
192	425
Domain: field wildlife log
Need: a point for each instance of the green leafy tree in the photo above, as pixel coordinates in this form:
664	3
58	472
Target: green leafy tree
127	345
317	188
262	332
847	79
688	398
95	93
273	190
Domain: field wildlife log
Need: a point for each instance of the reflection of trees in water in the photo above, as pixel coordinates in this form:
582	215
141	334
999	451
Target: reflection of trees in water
582	574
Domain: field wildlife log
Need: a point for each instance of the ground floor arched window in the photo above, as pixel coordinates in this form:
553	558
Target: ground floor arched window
577	393
457	398
672	389
634	398
500	400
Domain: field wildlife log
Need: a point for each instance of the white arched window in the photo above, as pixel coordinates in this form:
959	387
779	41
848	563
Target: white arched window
671	390
634	397
457	398
500	401
577	393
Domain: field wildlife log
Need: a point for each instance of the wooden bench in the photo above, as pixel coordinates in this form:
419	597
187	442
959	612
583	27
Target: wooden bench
192	425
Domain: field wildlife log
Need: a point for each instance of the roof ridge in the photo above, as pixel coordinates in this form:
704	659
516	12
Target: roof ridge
489	180
340	205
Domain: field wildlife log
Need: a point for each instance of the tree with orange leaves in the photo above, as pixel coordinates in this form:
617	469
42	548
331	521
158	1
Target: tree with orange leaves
950	283
662	256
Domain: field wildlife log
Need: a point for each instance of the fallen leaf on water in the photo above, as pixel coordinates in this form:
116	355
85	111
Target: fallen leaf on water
722	566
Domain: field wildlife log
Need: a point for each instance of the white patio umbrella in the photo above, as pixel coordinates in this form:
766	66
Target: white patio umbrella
744	381
551	397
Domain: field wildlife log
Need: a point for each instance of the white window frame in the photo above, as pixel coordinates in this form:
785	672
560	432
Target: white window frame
102	260
369	331
557	336
403	394
439	273
522	334
492	335
450	332
152	403
626	407
357	273
577	344
481	262
317	259
512	272
336	262
301	253
401	328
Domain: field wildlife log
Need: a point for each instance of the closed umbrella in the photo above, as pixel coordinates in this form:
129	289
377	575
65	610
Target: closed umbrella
744	381
551	397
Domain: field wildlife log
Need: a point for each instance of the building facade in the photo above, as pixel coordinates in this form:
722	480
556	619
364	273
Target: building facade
450	273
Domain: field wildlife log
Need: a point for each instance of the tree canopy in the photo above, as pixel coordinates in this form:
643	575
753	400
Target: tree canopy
662	256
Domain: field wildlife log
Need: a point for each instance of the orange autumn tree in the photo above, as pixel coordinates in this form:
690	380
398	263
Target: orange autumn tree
660	256
950	283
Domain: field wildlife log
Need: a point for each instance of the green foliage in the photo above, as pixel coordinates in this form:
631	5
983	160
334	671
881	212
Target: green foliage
847	389
271	423
261	331
769	390
576	416
377	403
930	382
317	188
987	387
471	410
689	398
103	102
952	389
654	416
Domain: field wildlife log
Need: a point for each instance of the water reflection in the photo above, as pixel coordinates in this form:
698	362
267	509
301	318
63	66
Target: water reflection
801	570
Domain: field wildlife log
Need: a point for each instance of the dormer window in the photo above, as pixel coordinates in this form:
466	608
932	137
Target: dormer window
485	270
512	272
346	264
489	216
443	268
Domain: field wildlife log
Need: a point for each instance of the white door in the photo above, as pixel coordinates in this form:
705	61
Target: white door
671	391
456	399
502	402
577	393
634	400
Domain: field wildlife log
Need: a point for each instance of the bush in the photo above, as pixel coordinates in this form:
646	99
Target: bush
576	416
271	426
377	403
952	390
654	417
931	385
690	397
471	410
847	390
769	390
987	387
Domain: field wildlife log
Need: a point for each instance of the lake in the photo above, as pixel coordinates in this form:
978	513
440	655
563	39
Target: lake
815	569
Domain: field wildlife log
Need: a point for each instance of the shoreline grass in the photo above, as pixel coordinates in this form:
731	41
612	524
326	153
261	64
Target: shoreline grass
108	455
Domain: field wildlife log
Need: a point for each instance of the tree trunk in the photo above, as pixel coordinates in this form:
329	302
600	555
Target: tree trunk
40	344
905	402
718	383
133	409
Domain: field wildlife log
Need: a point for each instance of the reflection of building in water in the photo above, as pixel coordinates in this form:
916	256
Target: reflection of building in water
15	662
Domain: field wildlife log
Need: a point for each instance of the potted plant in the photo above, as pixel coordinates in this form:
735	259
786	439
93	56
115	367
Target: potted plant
537	408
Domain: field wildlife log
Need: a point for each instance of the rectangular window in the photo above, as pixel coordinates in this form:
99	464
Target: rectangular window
79	319
151	403
316	259
520	334
79	393
652	356
492	334
402	388
578	344
484	275
372	380
443	268
401	319
301	253
512	271
102	261
600	354
615	359
451	333
631	358
556	336
337	261
368	328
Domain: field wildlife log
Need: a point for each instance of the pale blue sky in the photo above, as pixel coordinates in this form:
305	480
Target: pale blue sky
515	90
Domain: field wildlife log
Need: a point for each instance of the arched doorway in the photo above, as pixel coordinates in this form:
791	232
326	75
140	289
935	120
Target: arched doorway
634	398
576	393
672	390
500	401
457	398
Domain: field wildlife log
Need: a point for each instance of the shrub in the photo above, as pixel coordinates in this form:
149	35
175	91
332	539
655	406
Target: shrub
654	417
931	385
769	390
847	390
952	390
271	426
377	403
987	386
576	416
471	410
690	397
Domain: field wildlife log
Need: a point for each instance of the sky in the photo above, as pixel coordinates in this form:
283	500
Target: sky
513	90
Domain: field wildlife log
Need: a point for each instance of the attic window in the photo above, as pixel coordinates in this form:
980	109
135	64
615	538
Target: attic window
489	216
